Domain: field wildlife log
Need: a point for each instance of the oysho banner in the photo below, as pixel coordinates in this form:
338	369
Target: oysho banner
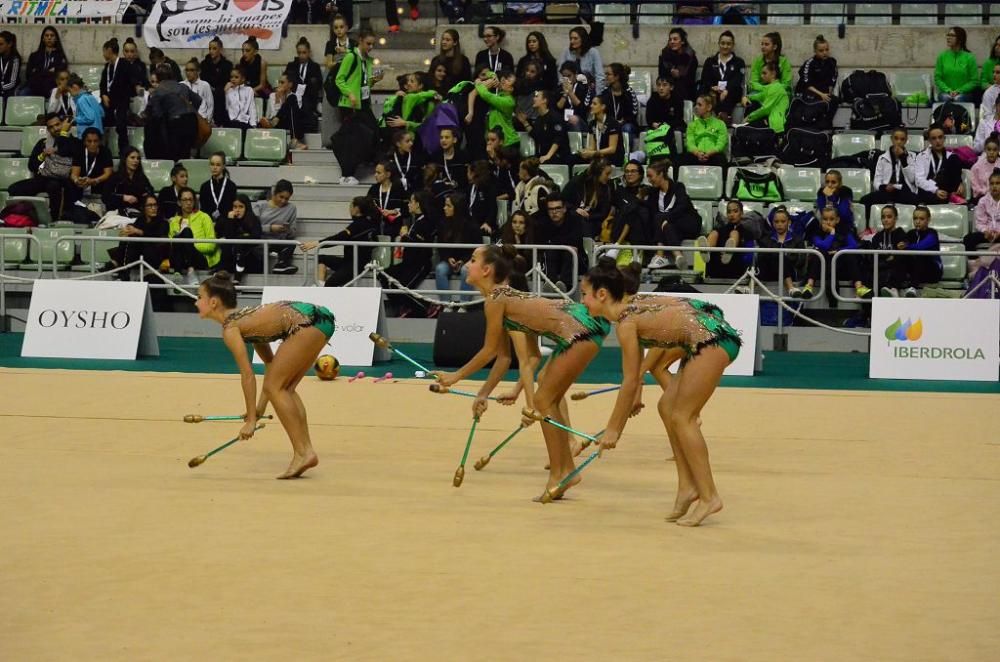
52	9
193	23
952	339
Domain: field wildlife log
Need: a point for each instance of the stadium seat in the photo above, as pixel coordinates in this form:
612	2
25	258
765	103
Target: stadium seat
576	141
559	174
30	135
658	14
994	18
23	111
954	267
905	220
827	13
872	13
800	183
914	142
924	13
578	169
613	13
94	254
503	212
274	72
15	248
688	111
963	13
382	255
198	172
259	103
158	173
701	182
969	107
704	208
907	83
785	13
228	141
951	141
41	205
951	221
265	146
91	75
858	179
136	138
641	82
847	144
49	248
13	170
527	146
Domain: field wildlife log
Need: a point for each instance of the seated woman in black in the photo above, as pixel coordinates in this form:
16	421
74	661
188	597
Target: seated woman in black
605	139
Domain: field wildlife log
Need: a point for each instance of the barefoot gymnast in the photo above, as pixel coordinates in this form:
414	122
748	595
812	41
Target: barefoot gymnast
692	331
305	330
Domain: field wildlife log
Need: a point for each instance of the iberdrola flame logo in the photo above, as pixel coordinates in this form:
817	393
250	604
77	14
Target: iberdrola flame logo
909	331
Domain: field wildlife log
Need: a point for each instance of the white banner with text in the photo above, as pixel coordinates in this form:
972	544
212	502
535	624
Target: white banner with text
32	10
194	23
74	319
952	339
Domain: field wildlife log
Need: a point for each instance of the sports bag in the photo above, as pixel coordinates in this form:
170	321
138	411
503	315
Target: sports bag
806	148
954	114
657	142
809	114
754	185
19	214
876	112
862	83
330	84
754	144
429	132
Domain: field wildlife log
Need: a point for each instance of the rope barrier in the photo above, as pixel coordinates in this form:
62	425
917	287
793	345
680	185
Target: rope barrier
141	262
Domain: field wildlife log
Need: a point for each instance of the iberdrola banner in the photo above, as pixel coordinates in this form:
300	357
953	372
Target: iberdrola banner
194	23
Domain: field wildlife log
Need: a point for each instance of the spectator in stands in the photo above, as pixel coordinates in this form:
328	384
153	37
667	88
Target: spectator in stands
88	112
518	231
138	75
284	112
770	53
987	217
189	223
503	164
588	198
575	95
587	57
986	76
833	193
453	161
706	137
174	110
156	58
218	192
673	217
216	70
694	13
306	78
168	194
204	91
389	197
827	242
421	227
557	229
984	168
411	105
818	76
728	230
61	101
50	164
116	91
989	115
10	66
45	63
664	107
498	93
621	99
456	228
277	221
343	8
241	106
455	63
956	76
355	145
780	235
128	187
548	131
364	226
772	96
724	75
938	174
339	43
93	165
408	165
240	222
482	197
532	184
629	203
537	48
921	269
254	68
524	93
605	138
891	274
895	179
679	63
150	223
392	13
493	57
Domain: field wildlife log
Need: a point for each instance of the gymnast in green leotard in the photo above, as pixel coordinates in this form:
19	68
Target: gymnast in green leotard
576	334
689	330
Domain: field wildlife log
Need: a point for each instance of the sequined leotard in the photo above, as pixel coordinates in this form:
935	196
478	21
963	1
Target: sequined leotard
562	322
277	321
691	324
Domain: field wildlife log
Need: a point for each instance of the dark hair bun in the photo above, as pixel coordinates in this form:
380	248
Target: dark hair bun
606	262
224	275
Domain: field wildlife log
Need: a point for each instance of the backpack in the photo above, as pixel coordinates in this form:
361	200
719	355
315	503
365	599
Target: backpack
809	114
806	148
876	112
955	112
429	132
752	144
19	214
657	142
330	84
862	83
754	185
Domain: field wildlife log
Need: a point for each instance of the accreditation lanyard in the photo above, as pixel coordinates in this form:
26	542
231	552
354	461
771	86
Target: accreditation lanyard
384	203
935	166
494	66
472	198
88	164
402	172
112	70
217	198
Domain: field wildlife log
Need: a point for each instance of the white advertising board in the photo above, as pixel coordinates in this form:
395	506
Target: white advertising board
194	23
358	311
76	319
951	339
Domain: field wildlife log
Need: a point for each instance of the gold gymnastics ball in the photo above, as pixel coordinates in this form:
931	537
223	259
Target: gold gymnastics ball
327	367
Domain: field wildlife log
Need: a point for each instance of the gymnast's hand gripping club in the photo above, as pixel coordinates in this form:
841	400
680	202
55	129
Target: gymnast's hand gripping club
198	461
385	344
583	395
198	418
460	472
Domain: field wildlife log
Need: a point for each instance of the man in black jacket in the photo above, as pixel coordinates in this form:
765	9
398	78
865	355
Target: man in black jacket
50	163
558	229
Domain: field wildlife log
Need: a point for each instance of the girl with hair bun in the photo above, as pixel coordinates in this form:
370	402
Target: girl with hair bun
576	334
304	329
692	331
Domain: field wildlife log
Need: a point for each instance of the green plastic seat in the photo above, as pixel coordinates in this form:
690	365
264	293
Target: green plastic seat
198	172
800	183
950	220
905	220
23	111
859	180
227	141
15	248
40	204
30	135
265	145
701	182
847	144
559	174
136	138
704	208
49	246
93	255
13	170
91	75
908	83
158	173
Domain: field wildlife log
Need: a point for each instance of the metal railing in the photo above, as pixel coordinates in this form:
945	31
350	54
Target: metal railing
4	238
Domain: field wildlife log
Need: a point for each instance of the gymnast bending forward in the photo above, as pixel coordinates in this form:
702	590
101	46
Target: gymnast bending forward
692	331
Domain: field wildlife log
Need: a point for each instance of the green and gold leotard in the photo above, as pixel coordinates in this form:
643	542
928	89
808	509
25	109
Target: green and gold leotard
562	322
269	322
691	324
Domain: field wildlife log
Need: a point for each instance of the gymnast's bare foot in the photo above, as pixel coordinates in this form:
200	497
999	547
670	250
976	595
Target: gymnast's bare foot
681	505
556	492
701	511
575	448
299	465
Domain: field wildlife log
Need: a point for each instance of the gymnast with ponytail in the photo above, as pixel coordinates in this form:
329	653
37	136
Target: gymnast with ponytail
305	330
577	336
